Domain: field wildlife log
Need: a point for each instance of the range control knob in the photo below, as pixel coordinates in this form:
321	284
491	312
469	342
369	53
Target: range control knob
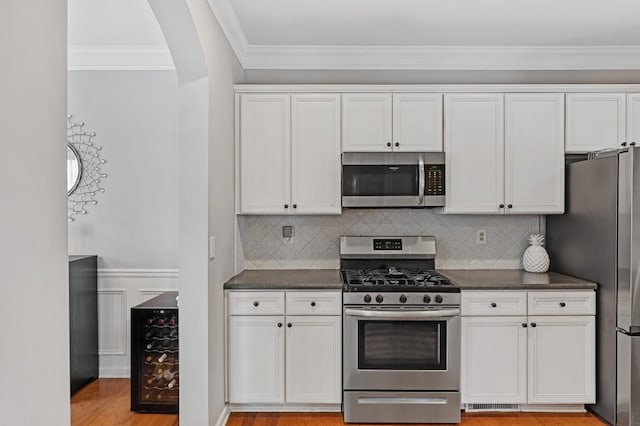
438	299
427	299
403	299
367	298
379	298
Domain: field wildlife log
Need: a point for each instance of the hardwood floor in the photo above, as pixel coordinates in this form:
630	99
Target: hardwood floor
476	419
105	402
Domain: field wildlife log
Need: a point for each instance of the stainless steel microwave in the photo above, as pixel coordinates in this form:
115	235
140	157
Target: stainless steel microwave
402	179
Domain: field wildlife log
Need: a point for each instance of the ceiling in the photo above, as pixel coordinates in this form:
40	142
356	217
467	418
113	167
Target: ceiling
433	34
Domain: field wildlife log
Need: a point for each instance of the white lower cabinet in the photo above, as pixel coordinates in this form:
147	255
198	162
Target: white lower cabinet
285	359
313	367
256	359
522	359
494	354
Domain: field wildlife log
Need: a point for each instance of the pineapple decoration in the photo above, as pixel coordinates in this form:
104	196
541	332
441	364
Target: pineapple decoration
535	258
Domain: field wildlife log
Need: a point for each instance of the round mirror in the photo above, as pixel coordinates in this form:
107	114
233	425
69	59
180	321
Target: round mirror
74	169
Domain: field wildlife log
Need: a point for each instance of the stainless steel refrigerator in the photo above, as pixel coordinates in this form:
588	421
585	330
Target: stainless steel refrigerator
598	239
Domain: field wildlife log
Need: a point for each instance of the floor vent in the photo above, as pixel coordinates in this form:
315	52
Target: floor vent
491	407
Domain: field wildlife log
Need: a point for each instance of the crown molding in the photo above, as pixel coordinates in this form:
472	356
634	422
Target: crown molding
119	58
474	58
228	20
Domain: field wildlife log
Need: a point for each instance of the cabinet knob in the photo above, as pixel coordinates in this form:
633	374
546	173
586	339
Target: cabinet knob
388	143
623	144
397	143
313	303
256	303
494	304
510	206
286	206
562	304
279	324
289	325
533	324
501	206
295	206
632	144
524	325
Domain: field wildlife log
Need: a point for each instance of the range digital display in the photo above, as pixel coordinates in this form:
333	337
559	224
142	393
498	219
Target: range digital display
387	244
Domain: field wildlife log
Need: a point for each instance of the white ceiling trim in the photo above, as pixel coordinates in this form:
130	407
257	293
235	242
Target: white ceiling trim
119	58
442	57
420	57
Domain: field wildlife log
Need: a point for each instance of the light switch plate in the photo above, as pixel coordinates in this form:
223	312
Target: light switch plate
212	248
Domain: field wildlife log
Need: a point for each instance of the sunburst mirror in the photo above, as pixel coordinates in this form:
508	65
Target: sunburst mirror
84	168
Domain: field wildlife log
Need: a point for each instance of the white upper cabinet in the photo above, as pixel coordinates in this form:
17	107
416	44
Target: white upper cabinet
417	122
633	118
595	121
474	147
534	153
366	122
504	153
289	154
315	154
264	150
382	122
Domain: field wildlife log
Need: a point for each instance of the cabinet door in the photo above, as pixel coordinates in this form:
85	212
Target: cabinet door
562	360
315	151
474	147
256	359
633	118
264	153
534	153
366	122
595	121
314	359
494	360
417	122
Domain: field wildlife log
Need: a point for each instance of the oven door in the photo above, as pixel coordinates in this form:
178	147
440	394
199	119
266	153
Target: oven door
401	348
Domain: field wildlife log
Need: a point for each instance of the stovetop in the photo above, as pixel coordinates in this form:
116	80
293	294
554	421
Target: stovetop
392	279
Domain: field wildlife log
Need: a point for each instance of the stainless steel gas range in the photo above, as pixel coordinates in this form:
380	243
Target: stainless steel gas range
401	340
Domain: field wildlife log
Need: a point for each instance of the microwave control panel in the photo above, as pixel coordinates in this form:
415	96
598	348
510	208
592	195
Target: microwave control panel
434	184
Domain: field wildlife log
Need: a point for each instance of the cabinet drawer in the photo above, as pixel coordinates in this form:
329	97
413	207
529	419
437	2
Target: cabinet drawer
314	302
494	303
562	303
256	303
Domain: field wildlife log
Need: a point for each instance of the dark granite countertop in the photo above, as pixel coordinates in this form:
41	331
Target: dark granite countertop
74	257
514	279
286	279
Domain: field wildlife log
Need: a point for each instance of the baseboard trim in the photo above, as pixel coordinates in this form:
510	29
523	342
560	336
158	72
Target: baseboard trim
285	408
224	416
552	408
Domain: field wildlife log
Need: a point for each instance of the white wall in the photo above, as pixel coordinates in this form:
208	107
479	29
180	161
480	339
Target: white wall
134	227
33	226
207	70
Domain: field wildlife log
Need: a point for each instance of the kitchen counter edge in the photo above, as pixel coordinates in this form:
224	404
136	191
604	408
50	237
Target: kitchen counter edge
514	279
286	279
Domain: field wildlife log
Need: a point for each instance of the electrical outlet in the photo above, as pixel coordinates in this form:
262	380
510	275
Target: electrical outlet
481	236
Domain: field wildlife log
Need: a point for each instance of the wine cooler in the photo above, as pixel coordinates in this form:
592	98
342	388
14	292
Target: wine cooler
155	359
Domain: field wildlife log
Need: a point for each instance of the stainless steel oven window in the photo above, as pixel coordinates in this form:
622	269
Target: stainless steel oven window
402	345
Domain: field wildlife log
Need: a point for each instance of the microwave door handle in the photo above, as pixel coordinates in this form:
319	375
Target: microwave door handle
406	315
421	182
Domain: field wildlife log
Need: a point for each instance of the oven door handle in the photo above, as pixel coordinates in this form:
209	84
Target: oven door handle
406	315
421	181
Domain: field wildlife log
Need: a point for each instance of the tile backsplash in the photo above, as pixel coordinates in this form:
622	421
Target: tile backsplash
315	242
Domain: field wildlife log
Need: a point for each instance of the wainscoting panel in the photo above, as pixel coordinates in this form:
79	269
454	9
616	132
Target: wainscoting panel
118	291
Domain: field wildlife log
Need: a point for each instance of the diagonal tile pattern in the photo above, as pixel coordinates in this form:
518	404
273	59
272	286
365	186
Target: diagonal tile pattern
315	243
